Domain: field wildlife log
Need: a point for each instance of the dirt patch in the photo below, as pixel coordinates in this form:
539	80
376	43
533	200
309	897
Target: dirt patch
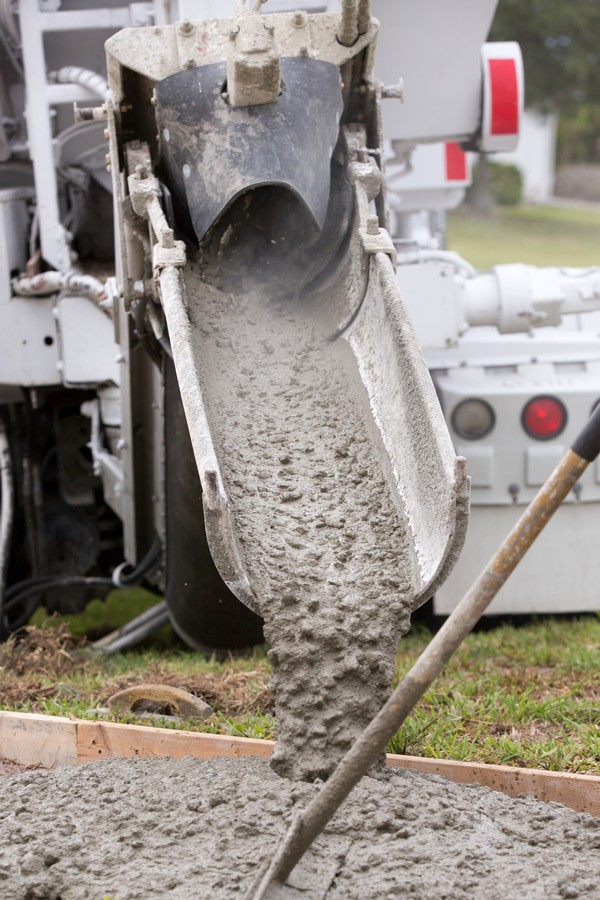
50	652
28	693
8	767
233	693
532	731
580	181
176	829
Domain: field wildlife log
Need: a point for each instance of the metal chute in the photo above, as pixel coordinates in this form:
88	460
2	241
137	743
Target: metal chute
213	152
332	499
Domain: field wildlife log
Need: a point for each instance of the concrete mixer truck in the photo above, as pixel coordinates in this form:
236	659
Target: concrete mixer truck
209	379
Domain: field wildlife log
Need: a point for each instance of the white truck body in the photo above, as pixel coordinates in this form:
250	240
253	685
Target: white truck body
65	332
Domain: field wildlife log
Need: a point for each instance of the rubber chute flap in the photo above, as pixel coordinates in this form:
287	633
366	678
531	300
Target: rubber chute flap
213	152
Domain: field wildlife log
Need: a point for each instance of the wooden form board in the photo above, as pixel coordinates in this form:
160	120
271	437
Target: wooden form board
51	741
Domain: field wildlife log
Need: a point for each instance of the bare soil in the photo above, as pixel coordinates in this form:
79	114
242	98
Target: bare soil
38	666
9	767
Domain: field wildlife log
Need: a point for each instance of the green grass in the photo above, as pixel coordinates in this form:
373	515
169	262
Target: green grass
537	235
525	696
521	696
103	616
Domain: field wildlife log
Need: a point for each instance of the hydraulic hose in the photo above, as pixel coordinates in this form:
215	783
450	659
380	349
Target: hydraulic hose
86	78
47	283
28	590
149	560
412	257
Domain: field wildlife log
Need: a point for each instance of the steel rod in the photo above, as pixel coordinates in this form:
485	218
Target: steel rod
157	612
135	635
364	16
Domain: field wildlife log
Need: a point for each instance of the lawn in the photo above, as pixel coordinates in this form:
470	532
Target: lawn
522	695
537	235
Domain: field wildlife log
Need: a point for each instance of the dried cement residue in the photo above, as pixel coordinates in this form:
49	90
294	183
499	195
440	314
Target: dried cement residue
191	829
316	512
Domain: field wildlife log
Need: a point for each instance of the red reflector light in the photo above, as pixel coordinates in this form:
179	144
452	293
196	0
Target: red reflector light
456	162
505	96
544	418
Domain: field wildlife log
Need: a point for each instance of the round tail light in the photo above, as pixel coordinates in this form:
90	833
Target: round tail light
473	419
544	418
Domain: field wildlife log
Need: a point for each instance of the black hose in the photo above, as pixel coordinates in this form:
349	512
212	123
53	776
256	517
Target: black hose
152	556
22	591
33	587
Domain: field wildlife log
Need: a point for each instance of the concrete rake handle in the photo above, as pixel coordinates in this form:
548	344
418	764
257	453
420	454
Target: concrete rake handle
374	739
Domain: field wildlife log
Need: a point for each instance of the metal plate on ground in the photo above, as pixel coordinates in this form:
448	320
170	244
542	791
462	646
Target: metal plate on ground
315	873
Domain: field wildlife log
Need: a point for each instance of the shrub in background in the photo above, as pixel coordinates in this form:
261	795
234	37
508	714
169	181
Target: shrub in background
506	184
494	183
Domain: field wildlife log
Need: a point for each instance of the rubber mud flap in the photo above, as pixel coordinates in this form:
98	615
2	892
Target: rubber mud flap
213	152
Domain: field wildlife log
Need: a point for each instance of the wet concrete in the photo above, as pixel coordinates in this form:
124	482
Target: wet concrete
183	829
318	520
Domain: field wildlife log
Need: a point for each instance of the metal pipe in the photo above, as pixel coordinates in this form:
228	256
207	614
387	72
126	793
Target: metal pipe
518	297
373	741
135	630
137	635
348	33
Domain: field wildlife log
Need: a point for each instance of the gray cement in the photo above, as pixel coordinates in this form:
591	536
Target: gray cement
191	829
317	516
316	513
